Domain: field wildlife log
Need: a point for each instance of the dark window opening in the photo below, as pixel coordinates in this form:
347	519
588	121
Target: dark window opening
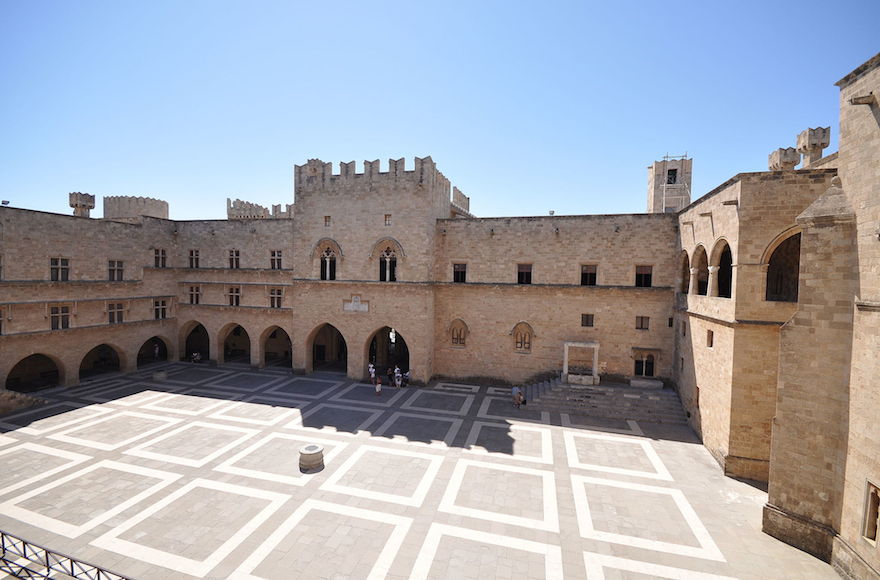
643	276
588	275
671	176
586	320
523	273
782	271
459	273
642	322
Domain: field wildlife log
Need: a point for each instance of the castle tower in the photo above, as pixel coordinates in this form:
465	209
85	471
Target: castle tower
669	184
82	203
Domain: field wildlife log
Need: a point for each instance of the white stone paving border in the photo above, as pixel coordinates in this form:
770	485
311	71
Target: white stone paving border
383	561
487	401
574	460
422	567
277	391
383	401
111	541
415	500
222	414
4	440
30	430
140	398
163	404
634	428
67	438
457	387
550	521
546	435
707	549
73	459
465	407
596	563
141	450
11	509
298	422
228	466
454	426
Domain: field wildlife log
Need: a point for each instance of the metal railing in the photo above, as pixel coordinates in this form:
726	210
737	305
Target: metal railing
22	559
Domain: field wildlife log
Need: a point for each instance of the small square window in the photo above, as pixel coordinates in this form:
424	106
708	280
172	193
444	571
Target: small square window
872	513
643	276
59	269
588	275
387	219
643	322
710	338
275	260
234	259
115	270
326	221
275	298
115	313
586	320
59	317
459	273
160	309
671	176
195	294
523	273
234	296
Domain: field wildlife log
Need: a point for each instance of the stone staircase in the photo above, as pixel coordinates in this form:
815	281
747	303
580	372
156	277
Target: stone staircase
613	401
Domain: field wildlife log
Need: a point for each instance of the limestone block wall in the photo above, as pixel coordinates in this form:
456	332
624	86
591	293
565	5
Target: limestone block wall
859	160
490	313
557	246
350	209
253	238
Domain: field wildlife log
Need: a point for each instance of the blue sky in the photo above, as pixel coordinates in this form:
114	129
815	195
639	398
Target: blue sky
527	107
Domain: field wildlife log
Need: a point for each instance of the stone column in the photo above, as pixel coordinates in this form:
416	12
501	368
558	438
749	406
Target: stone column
713	281
596	365
693	286
565	364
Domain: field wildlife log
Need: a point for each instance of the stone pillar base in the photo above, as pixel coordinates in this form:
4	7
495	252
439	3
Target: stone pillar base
804	534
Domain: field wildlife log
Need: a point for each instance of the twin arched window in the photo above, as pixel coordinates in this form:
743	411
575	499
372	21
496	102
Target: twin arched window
328	264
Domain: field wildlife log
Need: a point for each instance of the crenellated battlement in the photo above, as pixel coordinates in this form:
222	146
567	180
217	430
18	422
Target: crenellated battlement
245	210
317	175
127	207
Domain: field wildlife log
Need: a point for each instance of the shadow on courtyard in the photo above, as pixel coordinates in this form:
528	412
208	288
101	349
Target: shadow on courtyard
464	416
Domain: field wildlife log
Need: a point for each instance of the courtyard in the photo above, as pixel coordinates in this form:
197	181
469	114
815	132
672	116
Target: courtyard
197	476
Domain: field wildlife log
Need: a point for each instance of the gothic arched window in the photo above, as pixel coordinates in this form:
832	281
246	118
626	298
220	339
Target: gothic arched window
328	264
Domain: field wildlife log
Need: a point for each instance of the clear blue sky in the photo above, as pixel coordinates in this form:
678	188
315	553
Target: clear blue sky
527	107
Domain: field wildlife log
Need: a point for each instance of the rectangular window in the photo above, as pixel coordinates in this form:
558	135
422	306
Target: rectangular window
195	294
710	338
275	260
523	273
193	258
59	269
114	270
588	275
459	273
586	320
669	323
234	296
872	513
387	269
159	258
275	298
234	256
160	309
114	313
642	322
643	276
387	219
671	176
60	317
326	221
683	328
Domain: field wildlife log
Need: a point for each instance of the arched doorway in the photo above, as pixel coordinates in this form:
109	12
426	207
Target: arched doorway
32	373
153	350
197	341
329	351
685	274
783	271
237	346
725	273
101	359
277	347
387	349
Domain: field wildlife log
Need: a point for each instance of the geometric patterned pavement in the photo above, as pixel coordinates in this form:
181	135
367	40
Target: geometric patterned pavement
198	477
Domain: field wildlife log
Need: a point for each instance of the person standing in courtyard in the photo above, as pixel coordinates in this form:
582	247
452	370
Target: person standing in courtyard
378	386
516	394
372	370
398	376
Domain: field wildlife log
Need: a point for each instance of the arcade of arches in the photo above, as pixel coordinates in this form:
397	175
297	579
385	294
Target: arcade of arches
329	351
388	349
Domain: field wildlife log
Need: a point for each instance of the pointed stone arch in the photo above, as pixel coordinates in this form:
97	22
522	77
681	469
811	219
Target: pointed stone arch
276	347
523	336
35	372
685	281
700	271
458	332
783	267
234	342
721	265
103	358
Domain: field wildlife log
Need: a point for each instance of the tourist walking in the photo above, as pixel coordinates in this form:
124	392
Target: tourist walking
372	370
378	386
516	394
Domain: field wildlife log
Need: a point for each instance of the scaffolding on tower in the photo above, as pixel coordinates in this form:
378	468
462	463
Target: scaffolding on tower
680	181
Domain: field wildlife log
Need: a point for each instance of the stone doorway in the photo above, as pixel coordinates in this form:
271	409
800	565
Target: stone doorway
153	350
33	373
237	346
387	349
101	359
329	350
197	341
